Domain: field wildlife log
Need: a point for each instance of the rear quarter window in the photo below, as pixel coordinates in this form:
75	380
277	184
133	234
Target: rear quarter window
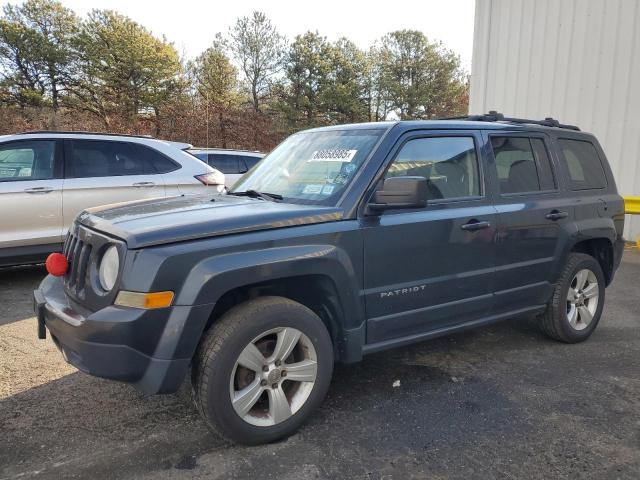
582	164
157	160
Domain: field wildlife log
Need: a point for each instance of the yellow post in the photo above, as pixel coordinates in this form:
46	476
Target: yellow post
632	205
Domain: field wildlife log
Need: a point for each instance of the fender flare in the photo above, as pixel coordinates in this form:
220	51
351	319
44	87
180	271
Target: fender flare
590	229
212	277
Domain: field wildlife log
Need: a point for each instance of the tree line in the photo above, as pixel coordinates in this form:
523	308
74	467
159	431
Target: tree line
250	88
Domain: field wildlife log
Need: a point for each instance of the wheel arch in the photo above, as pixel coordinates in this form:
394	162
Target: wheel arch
600	248
317	292
321	277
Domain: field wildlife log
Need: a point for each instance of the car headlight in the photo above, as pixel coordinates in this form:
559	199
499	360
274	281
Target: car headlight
109	266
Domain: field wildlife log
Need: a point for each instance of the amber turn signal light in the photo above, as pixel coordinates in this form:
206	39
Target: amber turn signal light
144	300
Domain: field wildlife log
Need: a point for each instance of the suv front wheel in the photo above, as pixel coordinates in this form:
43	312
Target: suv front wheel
262	369
576	305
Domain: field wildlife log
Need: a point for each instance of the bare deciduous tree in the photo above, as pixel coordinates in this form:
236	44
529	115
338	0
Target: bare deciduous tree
259	49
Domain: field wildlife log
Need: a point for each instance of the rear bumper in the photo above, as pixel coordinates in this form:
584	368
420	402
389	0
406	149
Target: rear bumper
151	349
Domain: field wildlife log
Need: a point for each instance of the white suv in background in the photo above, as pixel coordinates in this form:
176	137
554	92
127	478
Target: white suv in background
233	163
47	178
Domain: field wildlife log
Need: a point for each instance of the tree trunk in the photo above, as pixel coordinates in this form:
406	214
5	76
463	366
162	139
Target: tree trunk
53	125
254	96
223	128
54	87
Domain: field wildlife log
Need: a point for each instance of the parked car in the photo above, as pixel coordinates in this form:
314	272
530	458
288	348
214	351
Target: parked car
47	178
343	241
233	163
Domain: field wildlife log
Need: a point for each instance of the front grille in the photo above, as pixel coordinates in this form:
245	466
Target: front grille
78	253
83	249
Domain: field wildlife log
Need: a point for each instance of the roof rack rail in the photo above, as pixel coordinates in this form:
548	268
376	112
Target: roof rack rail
494	116
243	150
83	132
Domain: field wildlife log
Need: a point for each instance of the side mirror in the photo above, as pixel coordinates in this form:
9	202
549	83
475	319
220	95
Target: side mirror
400	192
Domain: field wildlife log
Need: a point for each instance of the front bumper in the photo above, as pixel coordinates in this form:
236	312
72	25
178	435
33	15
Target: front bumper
152	349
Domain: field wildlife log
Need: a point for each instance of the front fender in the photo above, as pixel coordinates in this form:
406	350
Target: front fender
201	272
211	278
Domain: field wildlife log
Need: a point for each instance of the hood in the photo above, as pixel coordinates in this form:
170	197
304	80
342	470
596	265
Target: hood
154	222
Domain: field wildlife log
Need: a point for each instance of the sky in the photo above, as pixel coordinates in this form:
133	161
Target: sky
191	25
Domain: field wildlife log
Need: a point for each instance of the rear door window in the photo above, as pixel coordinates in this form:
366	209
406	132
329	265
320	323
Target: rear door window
98	158
522	164
517	172
583	164
201	156
546	176
225	163
250	161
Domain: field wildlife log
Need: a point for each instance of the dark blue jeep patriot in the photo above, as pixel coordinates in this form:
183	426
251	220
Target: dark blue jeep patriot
343	241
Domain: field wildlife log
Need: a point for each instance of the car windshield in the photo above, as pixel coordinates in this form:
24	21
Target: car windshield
311	167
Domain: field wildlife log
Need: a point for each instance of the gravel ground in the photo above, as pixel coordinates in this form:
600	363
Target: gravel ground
497	402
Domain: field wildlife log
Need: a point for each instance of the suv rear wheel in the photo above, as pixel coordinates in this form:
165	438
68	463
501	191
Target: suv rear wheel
576	305
262	369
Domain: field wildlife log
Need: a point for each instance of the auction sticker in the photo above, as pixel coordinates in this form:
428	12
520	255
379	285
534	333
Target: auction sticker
312	189
333	155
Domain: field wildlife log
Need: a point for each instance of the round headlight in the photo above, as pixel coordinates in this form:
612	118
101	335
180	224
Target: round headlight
109	266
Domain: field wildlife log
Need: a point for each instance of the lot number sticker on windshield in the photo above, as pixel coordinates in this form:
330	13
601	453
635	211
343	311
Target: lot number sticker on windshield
312	189
333	155
315	189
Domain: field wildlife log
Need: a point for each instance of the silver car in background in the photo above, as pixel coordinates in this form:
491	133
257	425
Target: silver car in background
47	178
233	163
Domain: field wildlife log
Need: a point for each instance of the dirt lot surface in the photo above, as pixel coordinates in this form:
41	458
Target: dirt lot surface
498	402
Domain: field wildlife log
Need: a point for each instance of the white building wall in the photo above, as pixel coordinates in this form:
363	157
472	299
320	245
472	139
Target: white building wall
575	60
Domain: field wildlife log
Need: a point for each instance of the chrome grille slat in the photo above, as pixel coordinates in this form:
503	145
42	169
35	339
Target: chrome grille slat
72	245
73	274
83	262
67	242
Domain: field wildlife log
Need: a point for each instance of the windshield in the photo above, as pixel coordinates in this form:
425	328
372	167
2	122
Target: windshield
311	167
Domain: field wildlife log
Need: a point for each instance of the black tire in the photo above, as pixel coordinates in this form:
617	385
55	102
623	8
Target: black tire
554	322
220	348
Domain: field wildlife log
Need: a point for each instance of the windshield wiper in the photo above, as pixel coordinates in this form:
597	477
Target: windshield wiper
269	197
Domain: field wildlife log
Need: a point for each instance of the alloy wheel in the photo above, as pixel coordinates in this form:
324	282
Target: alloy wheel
273	376
582	299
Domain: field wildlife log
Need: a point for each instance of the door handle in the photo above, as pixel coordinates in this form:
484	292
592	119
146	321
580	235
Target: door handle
38	190
556	215
144	184
475	225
